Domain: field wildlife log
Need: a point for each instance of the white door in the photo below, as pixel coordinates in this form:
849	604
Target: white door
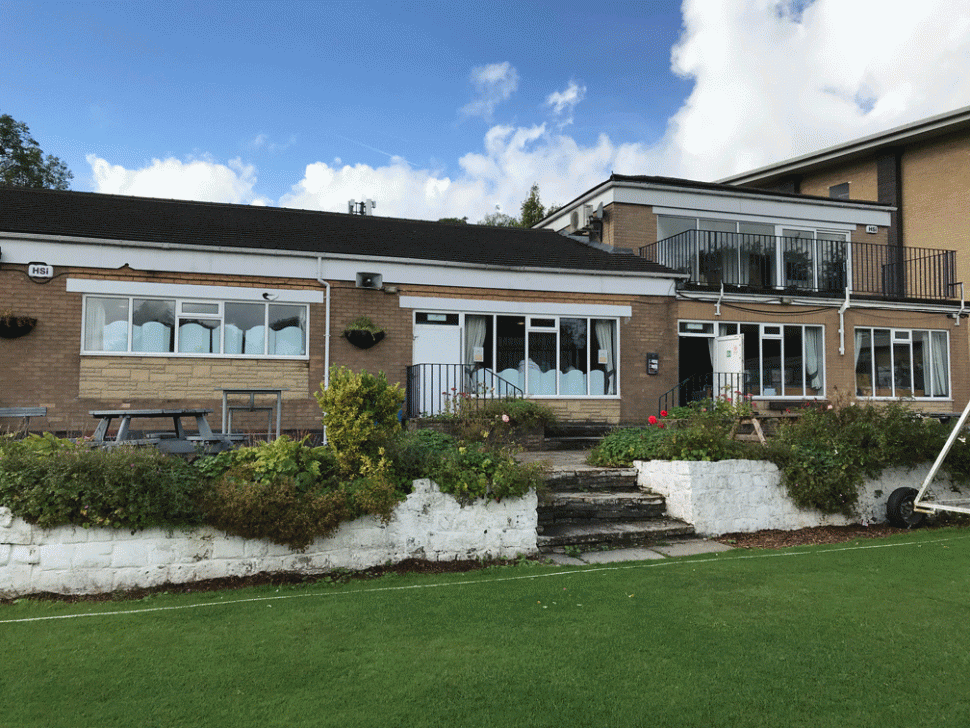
437	345
728	365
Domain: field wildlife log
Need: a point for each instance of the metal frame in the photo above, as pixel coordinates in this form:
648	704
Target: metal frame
955	506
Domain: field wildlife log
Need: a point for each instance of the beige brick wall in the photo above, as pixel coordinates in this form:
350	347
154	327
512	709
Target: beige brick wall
936	198
138	378
861	176
629	226
586	410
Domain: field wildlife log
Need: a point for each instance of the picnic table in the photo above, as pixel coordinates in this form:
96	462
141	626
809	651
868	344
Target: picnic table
174	441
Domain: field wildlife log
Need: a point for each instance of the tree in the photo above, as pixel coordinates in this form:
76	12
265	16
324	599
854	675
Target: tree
532	209
455	220
23	164
499	219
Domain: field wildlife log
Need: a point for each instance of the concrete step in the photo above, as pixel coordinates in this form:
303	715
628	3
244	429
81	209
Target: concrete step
592	480
628	533
575	507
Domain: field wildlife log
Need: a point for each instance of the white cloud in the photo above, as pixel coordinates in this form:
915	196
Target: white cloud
774	78
564	102
195	179
494	84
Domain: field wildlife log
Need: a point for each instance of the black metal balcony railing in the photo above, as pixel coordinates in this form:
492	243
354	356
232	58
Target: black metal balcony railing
767	263
434	389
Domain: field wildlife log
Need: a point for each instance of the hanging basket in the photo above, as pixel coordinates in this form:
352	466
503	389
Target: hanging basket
363	339
13	327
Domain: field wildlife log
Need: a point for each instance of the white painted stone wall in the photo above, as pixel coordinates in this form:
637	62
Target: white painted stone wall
427	525
741	496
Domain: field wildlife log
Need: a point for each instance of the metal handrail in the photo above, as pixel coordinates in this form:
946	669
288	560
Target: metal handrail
436	388
757	263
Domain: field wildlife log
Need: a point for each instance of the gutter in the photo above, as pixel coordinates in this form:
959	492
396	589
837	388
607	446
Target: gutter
326	345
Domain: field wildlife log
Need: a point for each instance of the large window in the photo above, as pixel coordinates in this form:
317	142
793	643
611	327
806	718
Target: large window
780	360
130	324
901	363
544	355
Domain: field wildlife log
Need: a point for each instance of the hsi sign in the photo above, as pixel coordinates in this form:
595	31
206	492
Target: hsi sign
40	270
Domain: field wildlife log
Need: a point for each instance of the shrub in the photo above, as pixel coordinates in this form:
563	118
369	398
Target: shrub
288	492
474	470
706	436
360	411
621	447
50	483
411	455
278	510
826	454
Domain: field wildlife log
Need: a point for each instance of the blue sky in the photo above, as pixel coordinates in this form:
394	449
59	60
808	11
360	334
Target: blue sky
440	109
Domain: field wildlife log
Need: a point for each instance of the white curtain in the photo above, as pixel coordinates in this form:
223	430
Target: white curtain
94	326
604	334
813	363
940	366
474	337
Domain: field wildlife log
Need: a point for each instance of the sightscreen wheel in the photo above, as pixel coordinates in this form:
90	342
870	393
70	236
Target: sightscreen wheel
899	509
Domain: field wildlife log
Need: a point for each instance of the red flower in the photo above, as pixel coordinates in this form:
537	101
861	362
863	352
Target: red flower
652	420
661	425
663	413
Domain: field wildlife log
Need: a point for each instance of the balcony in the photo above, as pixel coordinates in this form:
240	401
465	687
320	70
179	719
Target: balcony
807	266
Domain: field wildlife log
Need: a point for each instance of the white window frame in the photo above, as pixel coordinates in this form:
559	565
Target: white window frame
902	337
727	328
180	314
530	326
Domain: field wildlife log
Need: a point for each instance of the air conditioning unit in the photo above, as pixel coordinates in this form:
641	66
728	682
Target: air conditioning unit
580	217
372	281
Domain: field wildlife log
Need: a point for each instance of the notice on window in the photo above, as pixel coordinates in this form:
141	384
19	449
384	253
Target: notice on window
602	359
479	353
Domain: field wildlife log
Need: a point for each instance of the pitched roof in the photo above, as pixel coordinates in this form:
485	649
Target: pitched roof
917	131
150	220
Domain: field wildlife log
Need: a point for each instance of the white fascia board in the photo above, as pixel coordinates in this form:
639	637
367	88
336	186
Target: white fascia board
854	304
710	215
697	202
101	286
468	305
596	196
87	253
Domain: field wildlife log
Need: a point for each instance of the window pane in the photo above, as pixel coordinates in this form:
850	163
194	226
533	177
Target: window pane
201	308
771	367
883	361
794	371
668	226
287	330
199	336
752	357
542	374
573	350
153	325
922	368
902	370
603	358
940	364
510	349
814	361
863	363
245	328
106	324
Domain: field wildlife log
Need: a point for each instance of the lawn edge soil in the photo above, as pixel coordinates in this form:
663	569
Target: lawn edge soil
769	539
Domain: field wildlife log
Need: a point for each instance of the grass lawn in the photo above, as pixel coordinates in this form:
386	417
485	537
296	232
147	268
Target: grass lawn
872	633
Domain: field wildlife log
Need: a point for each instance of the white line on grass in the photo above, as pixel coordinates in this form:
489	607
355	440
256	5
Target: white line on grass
571	572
